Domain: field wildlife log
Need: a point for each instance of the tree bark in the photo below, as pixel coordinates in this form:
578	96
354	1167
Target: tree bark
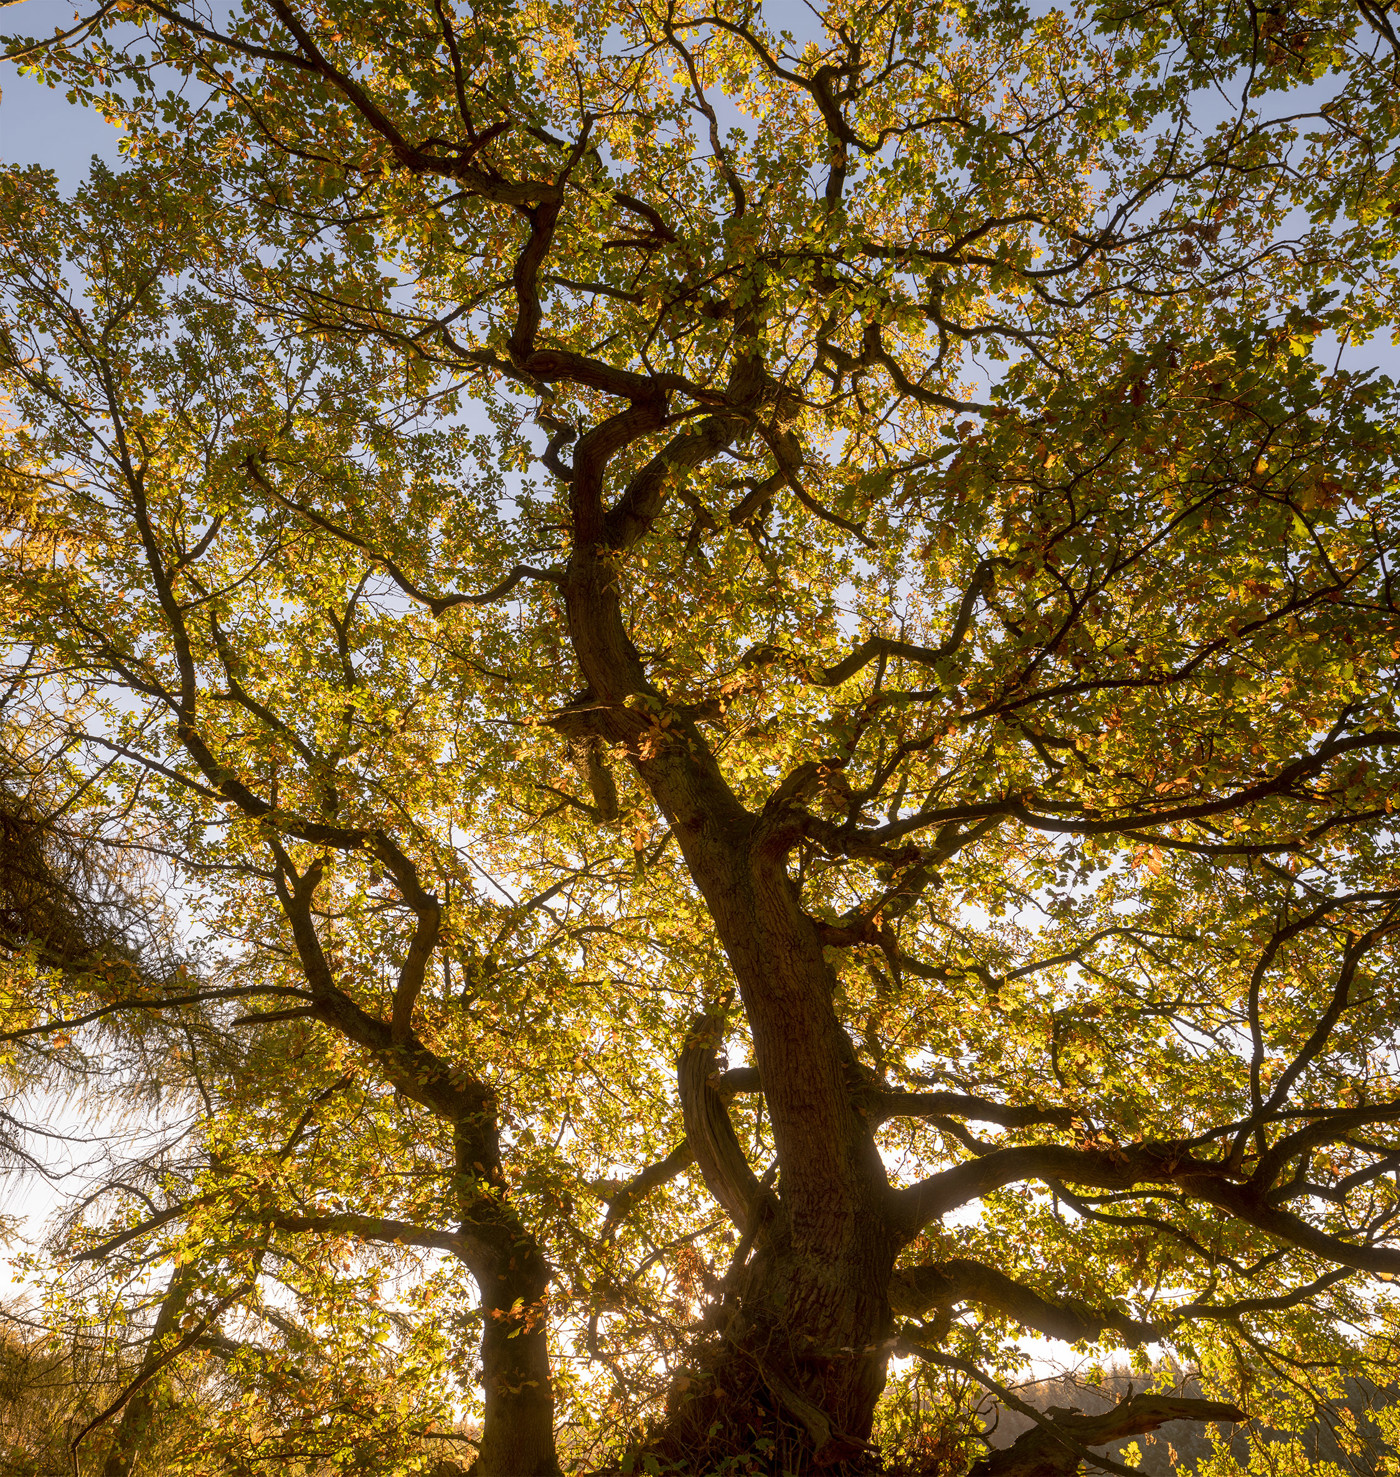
517	1431
510	1271
804	1336
1056	1446
802	1343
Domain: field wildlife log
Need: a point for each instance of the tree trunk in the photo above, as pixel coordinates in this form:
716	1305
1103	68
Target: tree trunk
800	1351
795	1357
517	1438
134	1425
517	1429
802	1341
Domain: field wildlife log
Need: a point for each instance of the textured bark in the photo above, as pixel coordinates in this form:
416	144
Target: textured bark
771	1367
803	1338
518	1426
804	1334
517	1432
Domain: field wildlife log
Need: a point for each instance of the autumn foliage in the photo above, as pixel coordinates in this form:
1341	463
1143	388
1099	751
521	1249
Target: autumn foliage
703	706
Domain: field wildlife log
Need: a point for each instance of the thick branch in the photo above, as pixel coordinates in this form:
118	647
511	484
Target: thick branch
914	1290
708	1130
1124	1169
1053	1448
370	1228
1280	784
1119	1169
621	1200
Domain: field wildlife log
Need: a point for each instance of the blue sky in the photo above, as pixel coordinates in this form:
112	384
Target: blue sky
38	125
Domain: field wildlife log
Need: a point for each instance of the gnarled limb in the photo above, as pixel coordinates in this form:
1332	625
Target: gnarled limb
1060	1439
708	1130
624	1197
915	1290
1117	1169
1126	1168
1055	1447
368	1228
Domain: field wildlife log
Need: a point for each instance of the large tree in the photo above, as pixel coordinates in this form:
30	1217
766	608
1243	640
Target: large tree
765	662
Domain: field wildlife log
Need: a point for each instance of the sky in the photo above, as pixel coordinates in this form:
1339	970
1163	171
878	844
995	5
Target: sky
38	125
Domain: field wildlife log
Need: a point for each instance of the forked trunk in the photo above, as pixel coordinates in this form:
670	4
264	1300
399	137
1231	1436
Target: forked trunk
796	1354
799	1351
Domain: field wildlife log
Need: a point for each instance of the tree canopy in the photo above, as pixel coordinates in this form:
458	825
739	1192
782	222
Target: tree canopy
700	723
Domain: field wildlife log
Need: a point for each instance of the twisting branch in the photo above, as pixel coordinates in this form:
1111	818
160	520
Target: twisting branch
1059	1441
1127	1168
914	1290
708	1131
874	647
623	1198
438	604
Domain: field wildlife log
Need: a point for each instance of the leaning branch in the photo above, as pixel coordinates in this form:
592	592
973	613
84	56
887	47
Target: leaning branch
369	1228
166	1002
438	604
915	1290
622	1199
